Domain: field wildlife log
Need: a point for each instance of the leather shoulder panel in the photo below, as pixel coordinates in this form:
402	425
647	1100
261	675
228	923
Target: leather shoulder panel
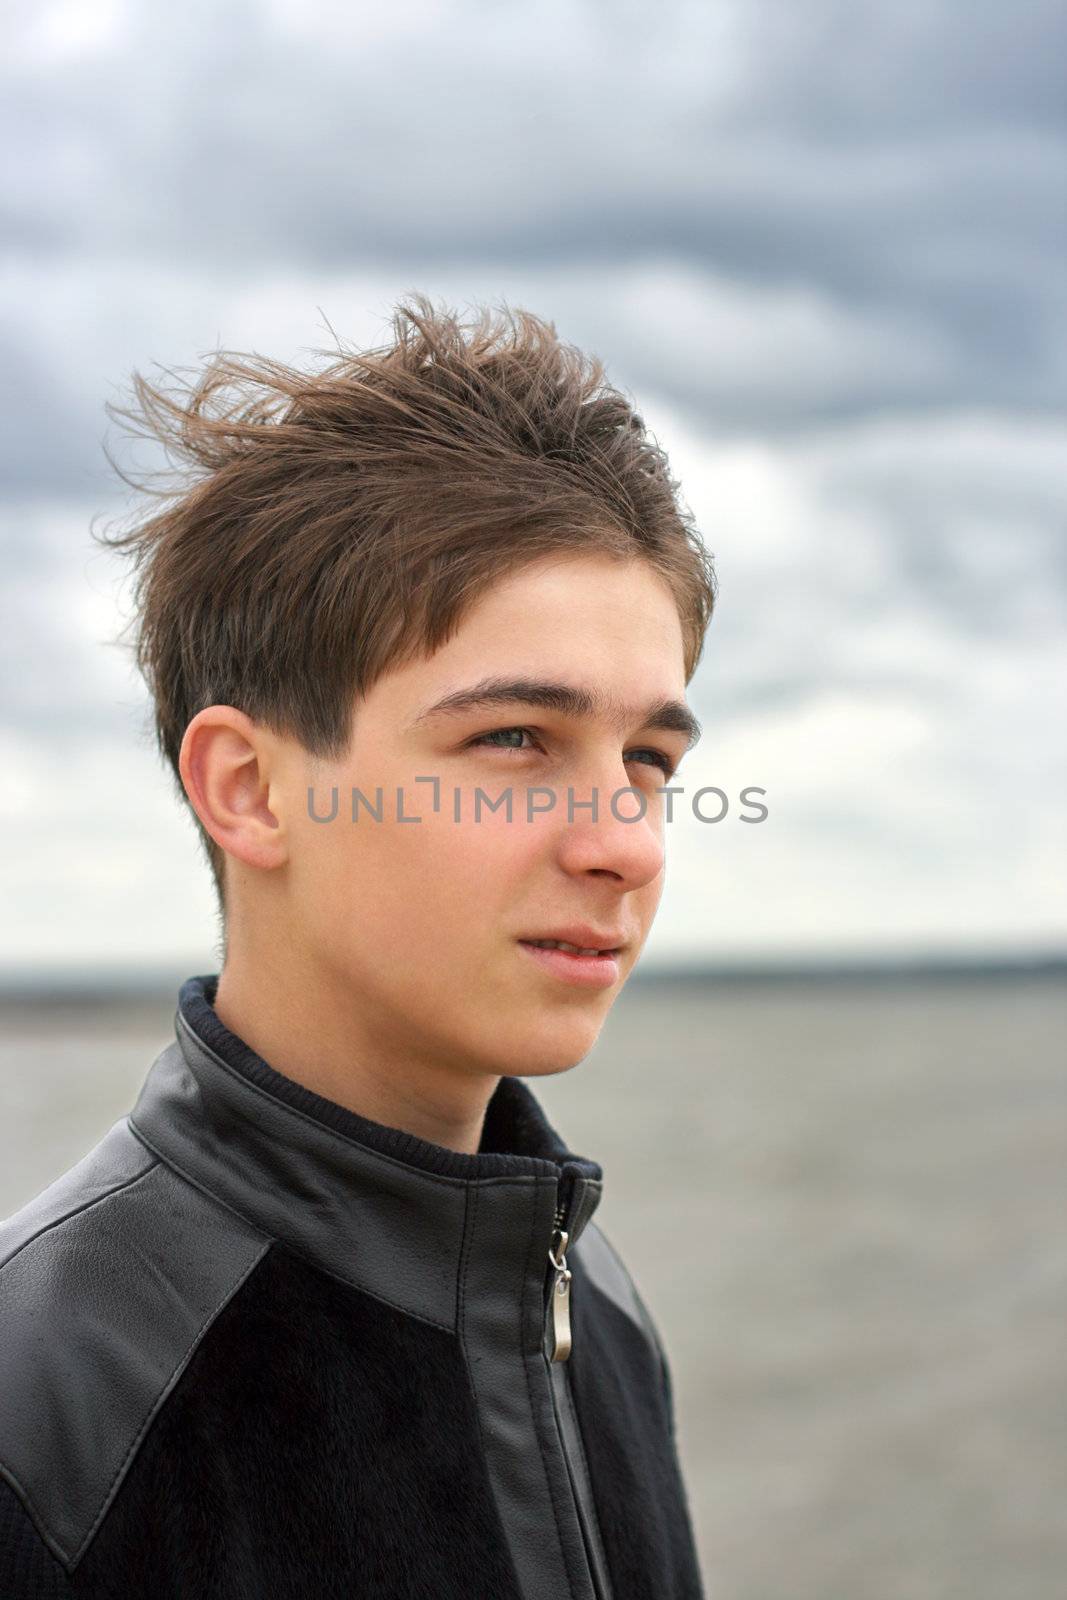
603	1265
108	1281
117	1160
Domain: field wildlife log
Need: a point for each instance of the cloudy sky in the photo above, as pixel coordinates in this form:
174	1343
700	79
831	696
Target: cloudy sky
822	245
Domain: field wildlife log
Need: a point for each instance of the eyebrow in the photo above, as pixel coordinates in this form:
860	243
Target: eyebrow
667	716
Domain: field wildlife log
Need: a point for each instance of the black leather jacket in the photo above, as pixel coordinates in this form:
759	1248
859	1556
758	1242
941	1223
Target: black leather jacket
254	1345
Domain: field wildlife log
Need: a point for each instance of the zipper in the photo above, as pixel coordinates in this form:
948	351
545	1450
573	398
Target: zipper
558	1313
560	1289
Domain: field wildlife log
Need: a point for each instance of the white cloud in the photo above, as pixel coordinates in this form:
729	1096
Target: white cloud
903	735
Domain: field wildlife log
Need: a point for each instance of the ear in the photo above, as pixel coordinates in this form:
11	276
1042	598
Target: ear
226	767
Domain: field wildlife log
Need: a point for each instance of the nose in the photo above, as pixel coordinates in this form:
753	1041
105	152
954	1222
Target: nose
623	840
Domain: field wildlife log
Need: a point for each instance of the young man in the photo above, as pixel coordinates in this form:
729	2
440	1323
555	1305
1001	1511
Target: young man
329	1315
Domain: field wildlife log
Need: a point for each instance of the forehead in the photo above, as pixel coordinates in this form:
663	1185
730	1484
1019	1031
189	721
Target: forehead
605	631
613	617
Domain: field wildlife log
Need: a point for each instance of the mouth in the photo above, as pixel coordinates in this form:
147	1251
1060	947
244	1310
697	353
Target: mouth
572	949
596	966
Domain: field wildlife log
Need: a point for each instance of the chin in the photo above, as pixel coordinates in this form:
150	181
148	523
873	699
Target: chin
550	1050
542	1068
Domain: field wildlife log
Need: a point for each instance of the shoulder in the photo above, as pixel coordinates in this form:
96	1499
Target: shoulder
603	1266
108	1280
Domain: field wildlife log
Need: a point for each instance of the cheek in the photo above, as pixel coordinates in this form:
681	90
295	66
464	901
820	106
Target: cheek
416	884
490	848
468	874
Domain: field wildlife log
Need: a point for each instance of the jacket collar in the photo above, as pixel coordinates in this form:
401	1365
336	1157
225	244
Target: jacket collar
382	1209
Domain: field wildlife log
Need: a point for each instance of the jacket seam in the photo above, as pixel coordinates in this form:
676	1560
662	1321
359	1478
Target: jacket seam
284	1244
594	1515
52	1545
160	1400
644	1319
469	1229
644	1323
79	1210
25	1496
48	1538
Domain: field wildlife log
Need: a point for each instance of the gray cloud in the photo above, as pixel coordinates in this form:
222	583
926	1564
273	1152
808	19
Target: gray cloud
822	245
905	162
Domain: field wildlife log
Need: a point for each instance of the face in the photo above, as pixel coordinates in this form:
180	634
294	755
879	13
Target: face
427	924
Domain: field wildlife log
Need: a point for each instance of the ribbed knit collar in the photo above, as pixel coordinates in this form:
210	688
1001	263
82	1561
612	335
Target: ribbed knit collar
517	1137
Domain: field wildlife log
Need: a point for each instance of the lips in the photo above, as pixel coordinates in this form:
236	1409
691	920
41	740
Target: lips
571	949
579	939
574	966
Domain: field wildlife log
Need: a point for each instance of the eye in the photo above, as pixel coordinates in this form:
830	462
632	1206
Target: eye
658	758
488	741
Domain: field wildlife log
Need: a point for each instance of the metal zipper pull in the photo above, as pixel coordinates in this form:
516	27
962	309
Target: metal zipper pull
561	1297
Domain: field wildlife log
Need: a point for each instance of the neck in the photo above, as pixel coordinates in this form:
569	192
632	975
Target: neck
312	1030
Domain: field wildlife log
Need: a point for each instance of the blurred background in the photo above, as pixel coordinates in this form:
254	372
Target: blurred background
822	246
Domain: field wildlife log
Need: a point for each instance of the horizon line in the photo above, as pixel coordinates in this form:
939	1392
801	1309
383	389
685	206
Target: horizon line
115	982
